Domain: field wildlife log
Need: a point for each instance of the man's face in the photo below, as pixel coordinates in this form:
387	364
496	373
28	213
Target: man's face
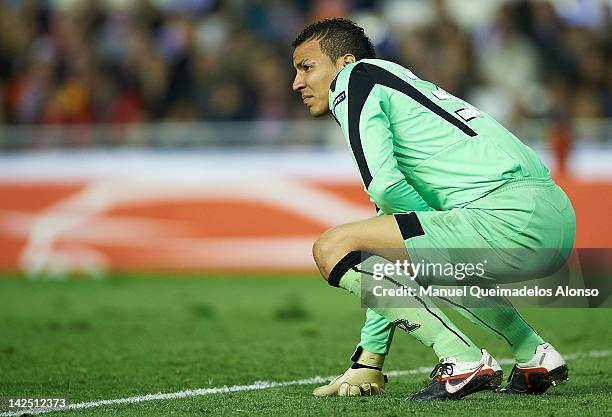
314	73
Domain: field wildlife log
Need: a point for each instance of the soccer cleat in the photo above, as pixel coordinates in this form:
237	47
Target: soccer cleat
354	383
545	369
452	380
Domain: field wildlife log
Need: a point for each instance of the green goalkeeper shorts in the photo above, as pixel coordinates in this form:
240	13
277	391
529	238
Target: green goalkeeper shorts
523	230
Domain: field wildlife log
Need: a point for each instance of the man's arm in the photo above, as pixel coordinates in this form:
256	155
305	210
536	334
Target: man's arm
365	123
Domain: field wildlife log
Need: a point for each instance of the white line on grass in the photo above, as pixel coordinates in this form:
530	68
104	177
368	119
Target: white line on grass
257	385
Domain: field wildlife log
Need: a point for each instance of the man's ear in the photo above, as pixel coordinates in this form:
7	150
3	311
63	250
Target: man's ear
345	60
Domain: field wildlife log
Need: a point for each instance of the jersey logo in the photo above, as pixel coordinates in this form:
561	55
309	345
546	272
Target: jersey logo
406	326
468	113
442	94
339	99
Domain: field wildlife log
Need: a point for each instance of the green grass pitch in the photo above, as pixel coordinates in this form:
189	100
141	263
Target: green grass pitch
130	336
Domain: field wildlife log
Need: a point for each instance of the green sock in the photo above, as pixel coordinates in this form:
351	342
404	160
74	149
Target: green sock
503	321
428	324
376	333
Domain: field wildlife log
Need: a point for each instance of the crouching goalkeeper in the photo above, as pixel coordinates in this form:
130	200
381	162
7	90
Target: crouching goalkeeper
444	175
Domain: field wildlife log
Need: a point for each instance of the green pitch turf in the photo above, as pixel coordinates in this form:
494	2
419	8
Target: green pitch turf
116	338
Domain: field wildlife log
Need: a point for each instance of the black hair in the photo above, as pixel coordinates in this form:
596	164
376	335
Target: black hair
338	37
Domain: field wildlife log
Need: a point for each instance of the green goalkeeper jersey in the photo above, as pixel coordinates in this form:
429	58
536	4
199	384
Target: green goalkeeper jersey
409	136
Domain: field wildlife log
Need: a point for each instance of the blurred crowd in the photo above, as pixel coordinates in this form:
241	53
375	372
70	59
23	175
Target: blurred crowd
123	61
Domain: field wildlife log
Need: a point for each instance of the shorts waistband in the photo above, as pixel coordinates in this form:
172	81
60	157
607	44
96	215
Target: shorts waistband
524	182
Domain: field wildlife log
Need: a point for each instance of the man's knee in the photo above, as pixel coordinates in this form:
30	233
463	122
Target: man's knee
330	248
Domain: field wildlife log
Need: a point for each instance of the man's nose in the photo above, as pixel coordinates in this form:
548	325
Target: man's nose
298	82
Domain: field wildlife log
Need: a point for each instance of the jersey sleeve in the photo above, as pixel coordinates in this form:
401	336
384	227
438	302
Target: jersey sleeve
366	126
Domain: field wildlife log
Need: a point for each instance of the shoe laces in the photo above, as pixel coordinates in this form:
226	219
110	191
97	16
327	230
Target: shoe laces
441	369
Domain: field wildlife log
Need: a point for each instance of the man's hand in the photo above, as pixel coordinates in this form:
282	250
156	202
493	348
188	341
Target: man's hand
354	383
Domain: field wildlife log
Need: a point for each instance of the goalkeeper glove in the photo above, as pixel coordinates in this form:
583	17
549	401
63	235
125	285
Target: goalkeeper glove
365	377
